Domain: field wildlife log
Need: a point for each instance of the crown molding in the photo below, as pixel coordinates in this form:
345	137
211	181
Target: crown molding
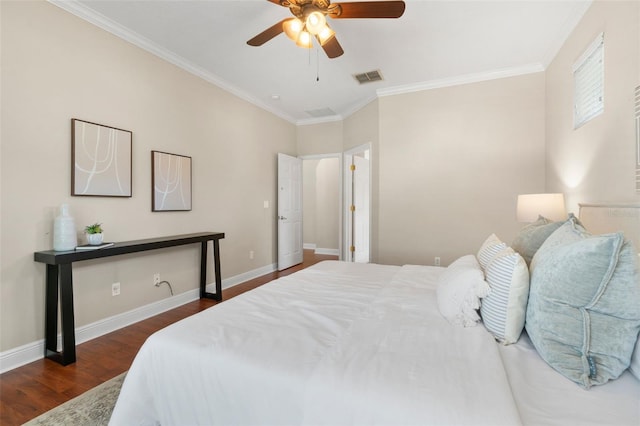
460	80
78	9
319	120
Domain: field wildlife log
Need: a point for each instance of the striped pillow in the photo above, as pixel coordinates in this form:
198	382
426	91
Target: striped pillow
491	246
503	311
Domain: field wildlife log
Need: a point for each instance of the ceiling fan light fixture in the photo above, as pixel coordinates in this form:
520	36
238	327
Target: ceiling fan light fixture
292	28
315	22
325	35
304	40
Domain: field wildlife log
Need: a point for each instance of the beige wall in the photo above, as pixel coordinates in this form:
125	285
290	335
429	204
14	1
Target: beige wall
56	67
452	162
322	138
595	163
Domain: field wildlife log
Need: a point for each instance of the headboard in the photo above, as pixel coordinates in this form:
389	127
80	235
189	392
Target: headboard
607	218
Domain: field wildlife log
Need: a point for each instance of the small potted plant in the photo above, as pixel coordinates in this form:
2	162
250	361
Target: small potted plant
94	234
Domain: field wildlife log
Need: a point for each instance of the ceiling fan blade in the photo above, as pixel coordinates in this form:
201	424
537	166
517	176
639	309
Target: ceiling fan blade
267	34
332	48
367	9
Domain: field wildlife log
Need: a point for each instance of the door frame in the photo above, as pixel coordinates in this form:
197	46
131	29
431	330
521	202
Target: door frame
347	191
339	156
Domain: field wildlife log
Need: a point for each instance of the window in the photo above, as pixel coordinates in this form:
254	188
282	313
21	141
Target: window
588	78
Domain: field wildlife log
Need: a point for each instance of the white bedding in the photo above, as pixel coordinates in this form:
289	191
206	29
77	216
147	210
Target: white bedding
343	343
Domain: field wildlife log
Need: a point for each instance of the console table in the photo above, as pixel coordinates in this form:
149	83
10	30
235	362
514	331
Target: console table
59	273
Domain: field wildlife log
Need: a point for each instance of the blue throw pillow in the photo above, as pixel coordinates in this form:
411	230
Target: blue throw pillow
532	236
583	315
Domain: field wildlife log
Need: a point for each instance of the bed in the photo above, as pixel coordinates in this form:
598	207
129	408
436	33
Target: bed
345	343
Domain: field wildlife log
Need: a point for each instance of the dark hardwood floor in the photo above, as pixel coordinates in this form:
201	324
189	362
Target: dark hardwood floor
30	390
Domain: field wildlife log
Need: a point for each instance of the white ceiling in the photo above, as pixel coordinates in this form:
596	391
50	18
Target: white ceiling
434	44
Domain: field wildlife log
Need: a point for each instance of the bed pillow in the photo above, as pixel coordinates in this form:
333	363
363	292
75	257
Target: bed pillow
530	238
503	310
584	305
460	287
491	246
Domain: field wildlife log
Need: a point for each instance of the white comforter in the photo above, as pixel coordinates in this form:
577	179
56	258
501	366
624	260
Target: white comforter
335	344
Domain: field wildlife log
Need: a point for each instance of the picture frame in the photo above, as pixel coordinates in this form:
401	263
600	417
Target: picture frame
170	182
101	160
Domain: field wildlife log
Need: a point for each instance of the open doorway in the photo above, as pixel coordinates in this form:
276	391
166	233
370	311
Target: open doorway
357	211
322	203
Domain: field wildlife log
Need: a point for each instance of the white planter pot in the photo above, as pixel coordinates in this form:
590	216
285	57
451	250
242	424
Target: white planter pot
95	239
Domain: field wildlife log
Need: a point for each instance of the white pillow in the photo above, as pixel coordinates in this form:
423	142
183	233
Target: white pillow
504	309
491	246
459	290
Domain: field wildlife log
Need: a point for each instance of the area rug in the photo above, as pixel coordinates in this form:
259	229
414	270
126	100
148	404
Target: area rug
94	407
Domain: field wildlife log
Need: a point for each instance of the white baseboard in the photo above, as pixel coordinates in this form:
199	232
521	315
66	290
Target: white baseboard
333	252
17	357
316	250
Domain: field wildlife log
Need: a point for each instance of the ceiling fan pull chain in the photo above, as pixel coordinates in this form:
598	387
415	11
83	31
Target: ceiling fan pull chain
317	64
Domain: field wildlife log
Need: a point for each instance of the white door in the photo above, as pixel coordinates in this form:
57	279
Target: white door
361	212
289	211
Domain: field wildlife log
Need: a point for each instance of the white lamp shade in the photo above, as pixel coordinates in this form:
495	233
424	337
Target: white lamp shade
551	206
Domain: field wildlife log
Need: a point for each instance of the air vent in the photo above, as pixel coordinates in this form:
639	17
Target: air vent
322	112
368	77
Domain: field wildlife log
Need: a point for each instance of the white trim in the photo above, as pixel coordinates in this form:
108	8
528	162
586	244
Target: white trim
80	10
463	79
244	277
16	357
319	120
309	246
347	159
328	251
320	156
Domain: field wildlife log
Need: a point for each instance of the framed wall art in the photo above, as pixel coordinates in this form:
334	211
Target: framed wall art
101	162
171	182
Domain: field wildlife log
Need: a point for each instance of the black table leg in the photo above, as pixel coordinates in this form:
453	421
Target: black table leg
67	316
216	268
51	313
60	276
203	271
204	294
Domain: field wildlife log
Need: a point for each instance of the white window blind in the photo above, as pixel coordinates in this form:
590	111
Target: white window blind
588	78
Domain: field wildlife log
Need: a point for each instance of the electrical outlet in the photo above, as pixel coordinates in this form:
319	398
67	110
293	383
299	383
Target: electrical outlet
115	289
251	255
436	261
156	279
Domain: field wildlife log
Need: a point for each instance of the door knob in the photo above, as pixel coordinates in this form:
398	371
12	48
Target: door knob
282	218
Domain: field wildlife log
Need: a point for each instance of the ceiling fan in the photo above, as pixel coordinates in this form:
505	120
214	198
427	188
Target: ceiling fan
310	21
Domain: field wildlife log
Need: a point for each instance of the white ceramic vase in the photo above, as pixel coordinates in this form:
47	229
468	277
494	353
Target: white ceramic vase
95	239
64	231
